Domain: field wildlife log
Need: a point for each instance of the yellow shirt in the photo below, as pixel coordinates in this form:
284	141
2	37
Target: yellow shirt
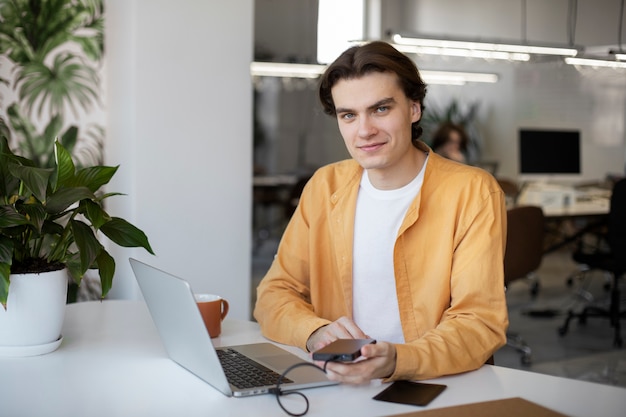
448	262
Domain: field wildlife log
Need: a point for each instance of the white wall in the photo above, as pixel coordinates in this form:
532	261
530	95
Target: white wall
179	106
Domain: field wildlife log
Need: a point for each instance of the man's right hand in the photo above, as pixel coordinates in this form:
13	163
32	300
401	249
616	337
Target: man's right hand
343	328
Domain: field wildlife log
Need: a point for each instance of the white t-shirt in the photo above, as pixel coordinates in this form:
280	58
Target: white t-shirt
379	215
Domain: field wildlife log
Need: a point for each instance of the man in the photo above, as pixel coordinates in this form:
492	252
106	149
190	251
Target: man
397	244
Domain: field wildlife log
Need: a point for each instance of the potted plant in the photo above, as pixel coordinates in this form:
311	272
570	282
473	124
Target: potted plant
49	220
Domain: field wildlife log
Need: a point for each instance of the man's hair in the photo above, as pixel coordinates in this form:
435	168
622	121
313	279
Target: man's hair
442	136
376	56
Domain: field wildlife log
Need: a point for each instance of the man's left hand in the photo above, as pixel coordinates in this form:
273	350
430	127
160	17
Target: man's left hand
377	361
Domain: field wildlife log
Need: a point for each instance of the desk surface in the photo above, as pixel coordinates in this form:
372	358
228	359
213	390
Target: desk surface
111	363
559	201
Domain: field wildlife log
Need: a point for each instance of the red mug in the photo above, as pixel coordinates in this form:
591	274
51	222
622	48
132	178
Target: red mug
213	309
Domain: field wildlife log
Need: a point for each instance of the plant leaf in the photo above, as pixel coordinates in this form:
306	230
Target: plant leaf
96	215
106	267
6	258
65	197
88	246
5	273
65	165
9	217
94	177
6	250
125	234
35	179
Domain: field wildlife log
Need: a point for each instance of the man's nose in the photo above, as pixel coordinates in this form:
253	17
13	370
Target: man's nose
366	127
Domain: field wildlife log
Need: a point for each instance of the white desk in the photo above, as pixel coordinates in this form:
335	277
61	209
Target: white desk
561	201
111	363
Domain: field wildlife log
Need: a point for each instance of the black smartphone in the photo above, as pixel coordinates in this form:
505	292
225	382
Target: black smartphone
409	392
341	350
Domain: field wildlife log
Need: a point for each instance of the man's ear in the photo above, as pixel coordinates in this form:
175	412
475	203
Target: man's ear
417	111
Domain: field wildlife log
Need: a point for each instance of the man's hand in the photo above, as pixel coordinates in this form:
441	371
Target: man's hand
343	328
378	361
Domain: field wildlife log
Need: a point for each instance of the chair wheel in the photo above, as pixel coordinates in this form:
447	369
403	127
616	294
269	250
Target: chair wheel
562	330
526	360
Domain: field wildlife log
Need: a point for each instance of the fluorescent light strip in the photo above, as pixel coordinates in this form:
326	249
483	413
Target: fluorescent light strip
483	46
287	70
457	78
595	62
465	53
620	57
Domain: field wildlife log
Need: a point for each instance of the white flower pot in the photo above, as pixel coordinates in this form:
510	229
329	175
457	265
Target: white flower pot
32	321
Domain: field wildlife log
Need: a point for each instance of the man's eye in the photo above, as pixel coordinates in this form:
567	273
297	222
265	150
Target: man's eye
347	116
382	109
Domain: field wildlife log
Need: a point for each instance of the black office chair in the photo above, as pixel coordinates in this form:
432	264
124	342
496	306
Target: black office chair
523	256
612	261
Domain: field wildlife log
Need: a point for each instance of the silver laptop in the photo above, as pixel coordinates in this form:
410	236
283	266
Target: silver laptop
174	311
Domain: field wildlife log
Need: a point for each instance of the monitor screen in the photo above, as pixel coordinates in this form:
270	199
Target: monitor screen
549	151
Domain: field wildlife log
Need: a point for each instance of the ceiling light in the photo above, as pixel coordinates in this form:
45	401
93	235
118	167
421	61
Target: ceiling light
287	70
457	78
473	49
619	54
595	62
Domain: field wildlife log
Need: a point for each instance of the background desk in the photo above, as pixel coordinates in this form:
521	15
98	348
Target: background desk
111	363
569	213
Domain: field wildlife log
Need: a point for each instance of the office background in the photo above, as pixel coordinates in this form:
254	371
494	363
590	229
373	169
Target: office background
179	107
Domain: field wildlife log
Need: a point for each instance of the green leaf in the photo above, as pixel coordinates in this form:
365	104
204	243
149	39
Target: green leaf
65	165
96	215
9	217
95	177
6	258
6	250
106	267
88	246
5	273
69	138
35	179
65	197
36	213
72	263
125	234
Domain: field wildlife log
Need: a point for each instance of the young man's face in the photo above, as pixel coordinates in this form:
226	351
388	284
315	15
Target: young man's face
375	117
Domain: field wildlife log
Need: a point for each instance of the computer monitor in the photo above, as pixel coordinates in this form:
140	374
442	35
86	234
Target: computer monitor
549	154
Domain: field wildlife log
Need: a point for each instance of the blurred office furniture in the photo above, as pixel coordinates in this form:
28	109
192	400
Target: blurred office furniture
294	195
611	260
270	194
570	212
524	252
511	190
489	166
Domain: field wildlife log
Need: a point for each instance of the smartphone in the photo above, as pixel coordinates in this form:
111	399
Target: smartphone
341	350
409	392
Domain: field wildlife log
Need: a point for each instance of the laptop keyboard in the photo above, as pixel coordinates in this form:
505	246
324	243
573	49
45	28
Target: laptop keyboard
243	372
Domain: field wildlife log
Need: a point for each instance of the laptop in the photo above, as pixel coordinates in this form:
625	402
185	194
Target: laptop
174	311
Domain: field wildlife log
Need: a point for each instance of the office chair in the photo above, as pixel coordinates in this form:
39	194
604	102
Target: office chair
523	256
612	261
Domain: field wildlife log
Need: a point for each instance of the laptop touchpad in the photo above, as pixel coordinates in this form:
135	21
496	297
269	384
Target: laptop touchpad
279	362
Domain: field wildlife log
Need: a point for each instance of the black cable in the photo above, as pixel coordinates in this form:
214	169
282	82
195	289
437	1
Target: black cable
278	392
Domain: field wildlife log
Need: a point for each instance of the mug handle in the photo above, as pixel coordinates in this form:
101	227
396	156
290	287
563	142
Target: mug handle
224	308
